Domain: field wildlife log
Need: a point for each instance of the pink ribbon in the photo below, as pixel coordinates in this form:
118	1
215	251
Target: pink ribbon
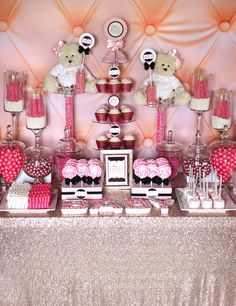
115	55
174	53
57	50
115	45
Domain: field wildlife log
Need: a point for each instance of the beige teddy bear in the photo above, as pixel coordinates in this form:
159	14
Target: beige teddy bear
169	90
64	73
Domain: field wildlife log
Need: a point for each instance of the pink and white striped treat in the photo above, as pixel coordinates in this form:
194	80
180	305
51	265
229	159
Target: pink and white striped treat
69	171
164	168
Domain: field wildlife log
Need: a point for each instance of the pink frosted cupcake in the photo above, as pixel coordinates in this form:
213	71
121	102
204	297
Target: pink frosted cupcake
114	86
101	85
129	141
114	115
101	114
115	143
127	113
125	85
102	142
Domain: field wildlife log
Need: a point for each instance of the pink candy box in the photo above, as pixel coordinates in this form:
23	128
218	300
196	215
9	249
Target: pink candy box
77	207
137	206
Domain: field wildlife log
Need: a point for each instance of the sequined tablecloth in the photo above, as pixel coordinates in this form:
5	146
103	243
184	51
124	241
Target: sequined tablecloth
167	261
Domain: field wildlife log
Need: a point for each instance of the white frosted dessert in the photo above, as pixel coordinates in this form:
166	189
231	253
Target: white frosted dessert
206	203
219	123
126	81
18	195
126	110
102	138
101	110
114	139
128	137
218	203
35	123
200	104
14	107
114	111
194	203
101	81
114	82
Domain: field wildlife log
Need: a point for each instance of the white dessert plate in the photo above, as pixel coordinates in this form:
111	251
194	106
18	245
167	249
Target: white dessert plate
183	204
52	206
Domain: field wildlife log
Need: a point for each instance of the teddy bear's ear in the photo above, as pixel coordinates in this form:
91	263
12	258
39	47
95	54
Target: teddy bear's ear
174	53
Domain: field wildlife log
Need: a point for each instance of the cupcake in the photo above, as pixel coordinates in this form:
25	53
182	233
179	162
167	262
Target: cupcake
114	86
129	141
102	142
101	85
101	114
125	85
127	113
114	115
115	142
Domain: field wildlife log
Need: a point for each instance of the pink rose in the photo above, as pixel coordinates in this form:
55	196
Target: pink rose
141	171
95	170
69	171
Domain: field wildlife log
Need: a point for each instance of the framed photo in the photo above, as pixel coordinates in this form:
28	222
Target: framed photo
118	168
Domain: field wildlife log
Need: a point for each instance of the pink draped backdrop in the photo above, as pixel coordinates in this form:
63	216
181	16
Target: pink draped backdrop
204	32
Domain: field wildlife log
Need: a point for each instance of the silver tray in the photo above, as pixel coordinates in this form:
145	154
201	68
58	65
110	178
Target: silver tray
52	206
183	204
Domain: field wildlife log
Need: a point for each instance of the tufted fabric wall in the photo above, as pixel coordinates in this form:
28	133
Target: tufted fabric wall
203	31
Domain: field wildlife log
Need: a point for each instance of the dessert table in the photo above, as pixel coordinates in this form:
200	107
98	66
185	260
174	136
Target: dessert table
118	260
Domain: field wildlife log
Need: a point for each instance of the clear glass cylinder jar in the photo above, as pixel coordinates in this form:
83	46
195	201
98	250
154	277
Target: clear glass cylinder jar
197	159
11	158
66	149
222	109
14	83
36	111
200	101
172	151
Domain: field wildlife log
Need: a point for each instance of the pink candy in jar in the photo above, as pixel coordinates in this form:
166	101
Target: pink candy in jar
197	158
151	94
80	81
172	151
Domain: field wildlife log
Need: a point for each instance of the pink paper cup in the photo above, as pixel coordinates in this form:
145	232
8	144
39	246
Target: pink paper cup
129	144
114	118
102	144
127	116
102	88
126	87
114	88
101	117
115	145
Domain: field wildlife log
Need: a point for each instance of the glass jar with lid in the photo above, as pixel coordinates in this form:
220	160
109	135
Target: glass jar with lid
224	156
38	161
66	149
11	157
197	158
172	151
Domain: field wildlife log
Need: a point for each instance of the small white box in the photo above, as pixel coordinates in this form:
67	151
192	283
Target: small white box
81	191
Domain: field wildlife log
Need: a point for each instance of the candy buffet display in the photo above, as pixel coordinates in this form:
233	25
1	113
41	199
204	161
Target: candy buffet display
83	182
83	179
151	178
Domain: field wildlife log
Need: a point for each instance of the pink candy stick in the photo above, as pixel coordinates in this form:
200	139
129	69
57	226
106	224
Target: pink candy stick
14	91
160	133
222	109
200	89
69	113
